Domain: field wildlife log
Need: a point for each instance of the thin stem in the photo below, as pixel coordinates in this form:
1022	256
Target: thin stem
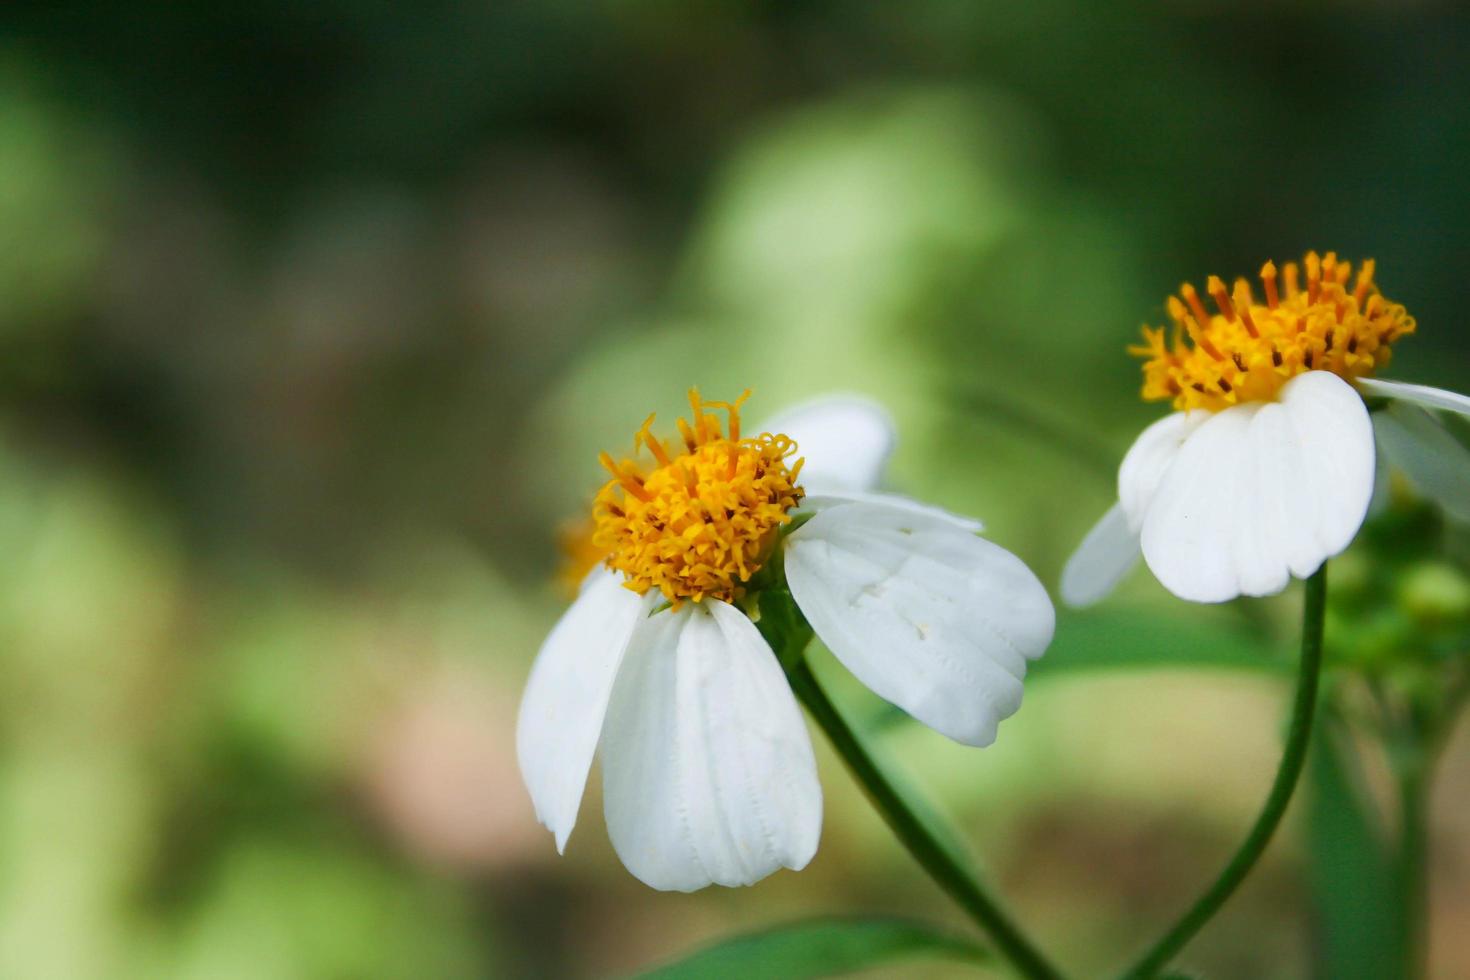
1313	608
941	863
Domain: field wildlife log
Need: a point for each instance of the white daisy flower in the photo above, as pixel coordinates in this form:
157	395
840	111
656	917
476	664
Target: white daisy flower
1267	468
708	771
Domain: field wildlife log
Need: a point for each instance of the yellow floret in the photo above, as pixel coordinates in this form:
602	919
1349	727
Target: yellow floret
1248	349
700	522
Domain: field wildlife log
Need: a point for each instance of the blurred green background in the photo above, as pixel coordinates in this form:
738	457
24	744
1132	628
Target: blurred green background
314	318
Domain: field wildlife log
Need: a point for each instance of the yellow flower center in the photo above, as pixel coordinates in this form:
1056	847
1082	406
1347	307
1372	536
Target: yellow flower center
1249	349
701	522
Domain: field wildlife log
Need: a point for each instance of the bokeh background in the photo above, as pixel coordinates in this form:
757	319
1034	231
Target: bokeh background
314	317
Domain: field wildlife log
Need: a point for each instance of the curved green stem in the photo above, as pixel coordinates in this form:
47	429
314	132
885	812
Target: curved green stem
1313	608
908	825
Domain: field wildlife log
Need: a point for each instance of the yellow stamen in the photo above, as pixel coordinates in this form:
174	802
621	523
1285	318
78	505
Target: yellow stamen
652	441
1202	340
1268	279
1243	301
1314	276
690	442
1192	298
1222	301
1249	350
696	407
628	481
700	524
1365	282
1289	272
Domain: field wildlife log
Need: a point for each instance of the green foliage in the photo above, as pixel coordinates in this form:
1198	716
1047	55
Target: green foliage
820	948
1113	638
1349	871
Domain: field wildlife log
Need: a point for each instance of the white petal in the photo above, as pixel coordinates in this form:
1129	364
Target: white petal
1436	462
1149	458
1449	401
812	505
1111	548
567	695
708	771
1263	491
932	618
845	439
1101	561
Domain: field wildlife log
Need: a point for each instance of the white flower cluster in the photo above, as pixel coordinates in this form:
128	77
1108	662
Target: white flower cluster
707	765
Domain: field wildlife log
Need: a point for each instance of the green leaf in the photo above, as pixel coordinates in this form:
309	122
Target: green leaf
1113	638
819	948
1349	870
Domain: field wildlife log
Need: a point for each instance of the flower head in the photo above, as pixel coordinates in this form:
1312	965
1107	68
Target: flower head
1250	348
1267	467
708	773
845	442
702	520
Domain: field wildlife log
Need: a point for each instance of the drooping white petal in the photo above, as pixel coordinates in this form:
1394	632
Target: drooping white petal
1263	491
1102	560
845	439
1111	548
932	618
812	505
1149	458
708	772
1436	462
1449	401
567	695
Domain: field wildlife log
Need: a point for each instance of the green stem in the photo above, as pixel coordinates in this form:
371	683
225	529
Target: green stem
1313	608
942	865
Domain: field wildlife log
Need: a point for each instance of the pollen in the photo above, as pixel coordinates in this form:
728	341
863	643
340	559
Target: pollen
1251	346
704	515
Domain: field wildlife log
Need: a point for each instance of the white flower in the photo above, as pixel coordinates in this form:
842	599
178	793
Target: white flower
1269	468
708	771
